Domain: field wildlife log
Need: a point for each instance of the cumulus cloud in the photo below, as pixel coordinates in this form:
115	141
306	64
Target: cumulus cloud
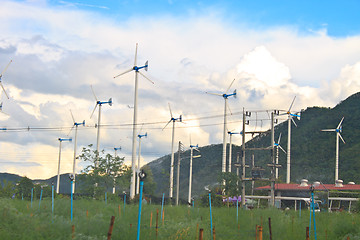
58	52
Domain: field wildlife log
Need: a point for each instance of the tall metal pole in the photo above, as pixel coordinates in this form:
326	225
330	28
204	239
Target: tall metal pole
138	168
74	164
98	138
272	191
277	162
288	150
337	158
230	151
133	156
178	175
243	164
190	175
172	163
223	165
252	182
58	175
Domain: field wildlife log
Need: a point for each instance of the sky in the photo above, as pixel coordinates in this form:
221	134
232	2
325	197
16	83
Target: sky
275	50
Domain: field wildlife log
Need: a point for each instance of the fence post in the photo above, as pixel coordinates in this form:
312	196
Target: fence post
270	228
72	231
201	234
307	233
214	234
111	227
256	232
157	220
260	232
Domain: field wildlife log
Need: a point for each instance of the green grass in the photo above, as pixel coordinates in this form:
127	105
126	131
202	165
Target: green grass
19	221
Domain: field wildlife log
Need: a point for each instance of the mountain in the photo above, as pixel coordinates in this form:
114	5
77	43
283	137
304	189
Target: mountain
312	152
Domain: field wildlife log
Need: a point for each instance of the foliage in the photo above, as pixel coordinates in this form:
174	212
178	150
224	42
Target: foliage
149	184
7	189
103	172
23	188
92	217
231	186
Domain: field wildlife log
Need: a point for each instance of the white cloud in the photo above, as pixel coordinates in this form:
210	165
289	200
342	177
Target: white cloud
58	52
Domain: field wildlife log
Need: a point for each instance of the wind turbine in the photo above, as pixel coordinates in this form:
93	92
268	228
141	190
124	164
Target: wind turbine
192	147
290	119
338	130
76	124
115	149
138	165
1	78
225	96
58	175
172	119
99	119
133	156
230	147
277	146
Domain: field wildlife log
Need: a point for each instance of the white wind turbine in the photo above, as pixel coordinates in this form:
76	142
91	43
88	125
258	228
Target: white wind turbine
58	174
1	79
98	103
338	130
290	119
76	124
172	119
192	147
138	165
230	147
277	146
225	96
133	156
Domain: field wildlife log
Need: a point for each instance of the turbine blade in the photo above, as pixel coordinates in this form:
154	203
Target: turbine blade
136	54
70	130
5	69
93	110
170	110
141	128
217	94
230	86
292	104
340	123
93	93
4	90
146	77
341	137
190	139
229	108
328	130
124	72
282	149
293	122
166	124
279	138
72	116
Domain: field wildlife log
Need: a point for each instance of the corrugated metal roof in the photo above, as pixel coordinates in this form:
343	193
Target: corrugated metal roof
296	187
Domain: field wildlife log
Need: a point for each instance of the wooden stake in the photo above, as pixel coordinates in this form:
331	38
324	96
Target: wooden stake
214	234
256	232
307	233
163	217
119	209
270	228
260	232
87	213
111	227
150	219
72	231
157	220
201	234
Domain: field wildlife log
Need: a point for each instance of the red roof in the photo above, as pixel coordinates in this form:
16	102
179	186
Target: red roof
296	187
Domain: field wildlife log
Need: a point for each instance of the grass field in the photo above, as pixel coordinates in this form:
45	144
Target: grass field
18	220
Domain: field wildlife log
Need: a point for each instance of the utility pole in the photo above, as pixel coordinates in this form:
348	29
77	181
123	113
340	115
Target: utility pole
243	164
272	191
180	150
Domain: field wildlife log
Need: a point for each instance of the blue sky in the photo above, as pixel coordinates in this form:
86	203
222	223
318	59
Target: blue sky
274	49
340	18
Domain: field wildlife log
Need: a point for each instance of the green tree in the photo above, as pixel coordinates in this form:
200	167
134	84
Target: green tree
7	189
231	187
23	187
104	170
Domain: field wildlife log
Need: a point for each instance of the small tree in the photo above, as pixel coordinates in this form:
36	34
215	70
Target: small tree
231	188
23	187
103	170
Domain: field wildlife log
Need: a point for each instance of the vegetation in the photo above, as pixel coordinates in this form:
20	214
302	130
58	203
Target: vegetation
92	217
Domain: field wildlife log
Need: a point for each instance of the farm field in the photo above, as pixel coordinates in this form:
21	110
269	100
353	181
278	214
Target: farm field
91	220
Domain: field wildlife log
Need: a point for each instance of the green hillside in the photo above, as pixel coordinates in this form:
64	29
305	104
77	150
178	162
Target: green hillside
312	152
